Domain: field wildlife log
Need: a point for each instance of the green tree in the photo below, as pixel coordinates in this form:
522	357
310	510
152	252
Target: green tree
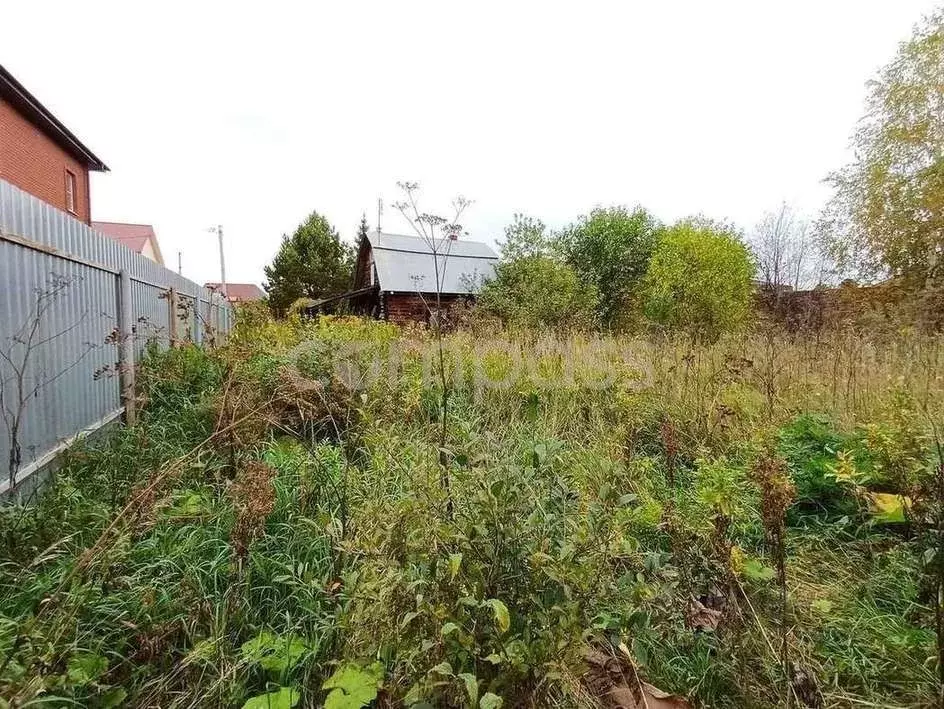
539	292
311	263
525	237
699	280
609	251
362	230
887	214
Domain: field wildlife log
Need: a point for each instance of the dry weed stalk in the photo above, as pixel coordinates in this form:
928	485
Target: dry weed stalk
927	515
777	494
670	443
253	495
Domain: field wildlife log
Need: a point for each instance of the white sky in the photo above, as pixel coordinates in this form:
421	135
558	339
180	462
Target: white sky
252	115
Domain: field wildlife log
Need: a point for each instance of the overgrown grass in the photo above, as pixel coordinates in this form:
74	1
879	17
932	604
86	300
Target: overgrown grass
276	520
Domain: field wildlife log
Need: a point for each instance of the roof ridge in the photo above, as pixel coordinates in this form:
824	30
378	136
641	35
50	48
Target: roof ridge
424	246
103	221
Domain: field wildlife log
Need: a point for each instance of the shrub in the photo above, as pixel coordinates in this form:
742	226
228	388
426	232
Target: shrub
609	250
699	280
539	292
825	464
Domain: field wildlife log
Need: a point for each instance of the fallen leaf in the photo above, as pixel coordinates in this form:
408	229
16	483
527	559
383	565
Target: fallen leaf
888	508
645	697
615	682
805	687
701	618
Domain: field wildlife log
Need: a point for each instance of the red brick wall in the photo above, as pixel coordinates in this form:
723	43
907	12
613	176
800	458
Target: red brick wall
34	163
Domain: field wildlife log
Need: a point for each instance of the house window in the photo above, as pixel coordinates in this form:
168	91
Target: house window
70	191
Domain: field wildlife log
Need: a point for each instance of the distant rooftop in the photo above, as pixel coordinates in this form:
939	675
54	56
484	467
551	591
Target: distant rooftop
238	292
140	238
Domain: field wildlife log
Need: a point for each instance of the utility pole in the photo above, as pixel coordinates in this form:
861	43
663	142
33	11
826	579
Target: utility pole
180	263
219	233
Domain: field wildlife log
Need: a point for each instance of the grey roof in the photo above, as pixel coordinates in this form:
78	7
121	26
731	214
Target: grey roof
405	263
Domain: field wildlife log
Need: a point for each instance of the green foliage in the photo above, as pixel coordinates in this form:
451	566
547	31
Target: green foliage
580	515
311	263
525	237
274	653
353	686
721	488
609	250
85	668
281	698
888	210
490	701
362	230
825	464
541	293
251	317
756	571
699	280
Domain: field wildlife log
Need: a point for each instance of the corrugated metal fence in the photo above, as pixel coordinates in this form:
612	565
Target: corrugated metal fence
59	327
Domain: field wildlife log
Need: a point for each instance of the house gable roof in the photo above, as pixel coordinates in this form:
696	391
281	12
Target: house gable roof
239	291
134	236
29	106
407	264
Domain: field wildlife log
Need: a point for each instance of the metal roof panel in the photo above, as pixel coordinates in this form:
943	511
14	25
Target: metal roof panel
406	264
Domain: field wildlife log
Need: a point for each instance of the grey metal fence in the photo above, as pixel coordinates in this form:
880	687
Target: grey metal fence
62	336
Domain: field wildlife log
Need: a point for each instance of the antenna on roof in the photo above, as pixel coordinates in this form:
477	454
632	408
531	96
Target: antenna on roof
380	211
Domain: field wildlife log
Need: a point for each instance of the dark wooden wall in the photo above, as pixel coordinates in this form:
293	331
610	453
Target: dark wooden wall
410	307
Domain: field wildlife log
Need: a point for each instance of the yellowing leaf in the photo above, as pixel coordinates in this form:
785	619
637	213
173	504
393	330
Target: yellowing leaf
443	668
471	687
490	701
888	508
502	617
455	560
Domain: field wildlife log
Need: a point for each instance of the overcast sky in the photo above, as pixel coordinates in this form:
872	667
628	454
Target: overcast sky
252	115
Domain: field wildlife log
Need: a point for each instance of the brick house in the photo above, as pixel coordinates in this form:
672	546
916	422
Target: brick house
395	276
40	155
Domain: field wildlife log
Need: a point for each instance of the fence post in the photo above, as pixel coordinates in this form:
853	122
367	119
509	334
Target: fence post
197	319
173	320
126	346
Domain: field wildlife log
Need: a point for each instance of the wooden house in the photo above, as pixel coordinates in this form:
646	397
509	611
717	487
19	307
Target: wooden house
397	277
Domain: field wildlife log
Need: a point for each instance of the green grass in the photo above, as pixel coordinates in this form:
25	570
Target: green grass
566	521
